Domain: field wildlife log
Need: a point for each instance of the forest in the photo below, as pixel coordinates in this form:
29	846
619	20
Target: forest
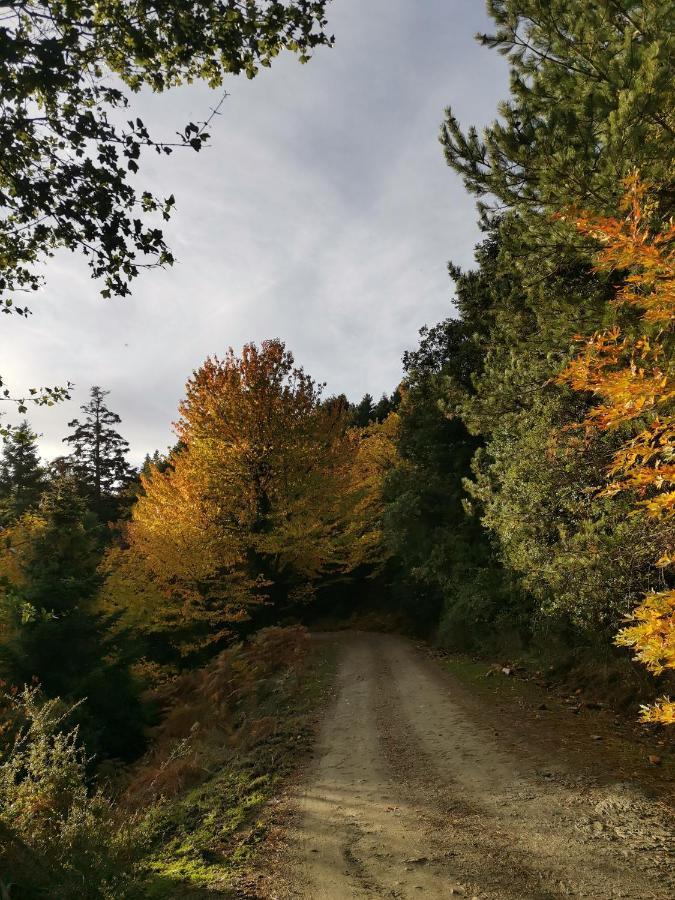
512	498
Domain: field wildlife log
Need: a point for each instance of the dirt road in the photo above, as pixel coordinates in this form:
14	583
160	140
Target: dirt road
410	796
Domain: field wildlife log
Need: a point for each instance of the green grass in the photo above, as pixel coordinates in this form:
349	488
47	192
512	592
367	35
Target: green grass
474	674
209	834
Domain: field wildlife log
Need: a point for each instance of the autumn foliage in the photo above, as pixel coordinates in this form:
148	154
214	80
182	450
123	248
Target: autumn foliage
631	372
268	494
216	708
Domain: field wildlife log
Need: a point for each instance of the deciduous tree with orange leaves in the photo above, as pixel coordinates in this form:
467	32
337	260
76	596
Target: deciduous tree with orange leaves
268	494
631	370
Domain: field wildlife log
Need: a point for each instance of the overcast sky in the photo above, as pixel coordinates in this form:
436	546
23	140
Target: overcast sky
323	214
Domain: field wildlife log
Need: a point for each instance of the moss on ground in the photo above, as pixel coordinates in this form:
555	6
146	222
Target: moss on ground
207	835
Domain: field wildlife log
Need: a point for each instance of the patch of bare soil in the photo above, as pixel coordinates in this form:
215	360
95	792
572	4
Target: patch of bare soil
412	793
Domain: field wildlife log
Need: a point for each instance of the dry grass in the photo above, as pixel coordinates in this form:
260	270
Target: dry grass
218	706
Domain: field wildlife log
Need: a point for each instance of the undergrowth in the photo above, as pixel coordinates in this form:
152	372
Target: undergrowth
186	819
234	732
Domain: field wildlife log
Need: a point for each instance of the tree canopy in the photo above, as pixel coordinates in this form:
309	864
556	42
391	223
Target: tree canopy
70	142
268	494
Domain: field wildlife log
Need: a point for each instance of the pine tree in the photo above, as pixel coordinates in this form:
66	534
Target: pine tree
592	96
21	475
362	412
159	460
99	454
447	575
385	406
51	629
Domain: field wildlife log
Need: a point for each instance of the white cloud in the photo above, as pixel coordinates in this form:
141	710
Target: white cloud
323	214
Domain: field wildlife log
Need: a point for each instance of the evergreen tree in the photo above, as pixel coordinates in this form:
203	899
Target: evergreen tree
592	98
385	406
52	630
155	459
362	413
21	475
448	574
160	461
98	454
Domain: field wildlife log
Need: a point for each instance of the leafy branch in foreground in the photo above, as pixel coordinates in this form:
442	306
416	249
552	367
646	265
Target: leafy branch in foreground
42	396
632	373
66	152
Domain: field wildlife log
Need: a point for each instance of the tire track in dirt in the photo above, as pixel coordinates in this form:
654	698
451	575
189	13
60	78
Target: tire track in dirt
355	836
516	828
411	797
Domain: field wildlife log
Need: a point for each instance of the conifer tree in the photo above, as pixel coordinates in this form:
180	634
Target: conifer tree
21	475
98	453
385	406
363	412
591	98
52	630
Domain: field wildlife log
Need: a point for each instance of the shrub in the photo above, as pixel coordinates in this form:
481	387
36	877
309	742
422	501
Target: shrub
59	836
